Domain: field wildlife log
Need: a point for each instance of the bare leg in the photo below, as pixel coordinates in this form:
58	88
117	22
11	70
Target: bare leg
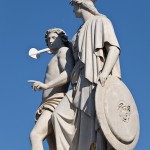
40	131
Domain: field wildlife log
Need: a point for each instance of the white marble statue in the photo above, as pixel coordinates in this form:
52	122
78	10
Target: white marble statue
98	113
55	86
96	51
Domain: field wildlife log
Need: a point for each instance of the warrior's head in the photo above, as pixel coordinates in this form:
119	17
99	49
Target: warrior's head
87	5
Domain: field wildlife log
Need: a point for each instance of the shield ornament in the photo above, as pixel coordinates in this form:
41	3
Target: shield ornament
117	114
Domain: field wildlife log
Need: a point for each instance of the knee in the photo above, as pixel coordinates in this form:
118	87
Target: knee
34	135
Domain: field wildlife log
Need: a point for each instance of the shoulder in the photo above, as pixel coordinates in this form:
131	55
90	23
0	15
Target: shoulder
101	18
101	22
62	51
97	21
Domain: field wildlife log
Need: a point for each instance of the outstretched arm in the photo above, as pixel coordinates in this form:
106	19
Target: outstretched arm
65	61
113	54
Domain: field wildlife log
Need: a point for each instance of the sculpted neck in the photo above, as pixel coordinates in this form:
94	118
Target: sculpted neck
86	15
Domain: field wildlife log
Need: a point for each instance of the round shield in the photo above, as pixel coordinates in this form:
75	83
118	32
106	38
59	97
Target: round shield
117	114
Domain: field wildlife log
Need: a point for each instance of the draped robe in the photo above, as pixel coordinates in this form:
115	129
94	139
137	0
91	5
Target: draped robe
74	120
90	55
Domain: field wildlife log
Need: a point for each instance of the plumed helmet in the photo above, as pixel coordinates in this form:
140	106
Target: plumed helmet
88	4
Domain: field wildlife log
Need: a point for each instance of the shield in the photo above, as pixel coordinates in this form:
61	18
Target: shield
117	114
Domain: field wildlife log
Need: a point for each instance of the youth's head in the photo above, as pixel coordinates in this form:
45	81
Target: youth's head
56	38
80	5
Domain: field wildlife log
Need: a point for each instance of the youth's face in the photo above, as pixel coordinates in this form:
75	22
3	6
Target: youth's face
76	10
54	41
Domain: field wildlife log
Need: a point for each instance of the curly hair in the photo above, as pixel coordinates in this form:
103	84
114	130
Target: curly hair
61	33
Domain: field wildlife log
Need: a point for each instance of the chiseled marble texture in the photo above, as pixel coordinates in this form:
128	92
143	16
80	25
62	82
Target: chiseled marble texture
99	112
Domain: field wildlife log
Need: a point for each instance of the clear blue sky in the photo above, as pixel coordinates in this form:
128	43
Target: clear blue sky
23	25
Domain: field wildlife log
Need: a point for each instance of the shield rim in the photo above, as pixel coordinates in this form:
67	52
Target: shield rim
100	112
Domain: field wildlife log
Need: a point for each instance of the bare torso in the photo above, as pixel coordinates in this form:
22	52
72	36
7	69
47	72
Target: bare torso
54	69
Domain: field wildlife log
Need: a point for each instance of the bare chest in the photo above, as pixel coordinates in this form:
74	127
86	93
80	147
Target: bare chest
52	70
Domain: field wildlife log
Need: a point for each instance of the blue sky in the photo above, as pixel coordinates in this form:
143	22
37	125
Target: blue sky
23	25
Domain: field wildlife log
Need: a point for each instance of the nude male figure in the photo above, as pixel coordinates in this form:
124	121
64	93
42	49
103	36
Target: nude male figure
55	86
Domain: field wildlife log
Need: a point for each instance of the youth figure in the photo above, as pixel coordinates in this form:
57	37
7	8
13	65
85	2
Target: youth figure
55	86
